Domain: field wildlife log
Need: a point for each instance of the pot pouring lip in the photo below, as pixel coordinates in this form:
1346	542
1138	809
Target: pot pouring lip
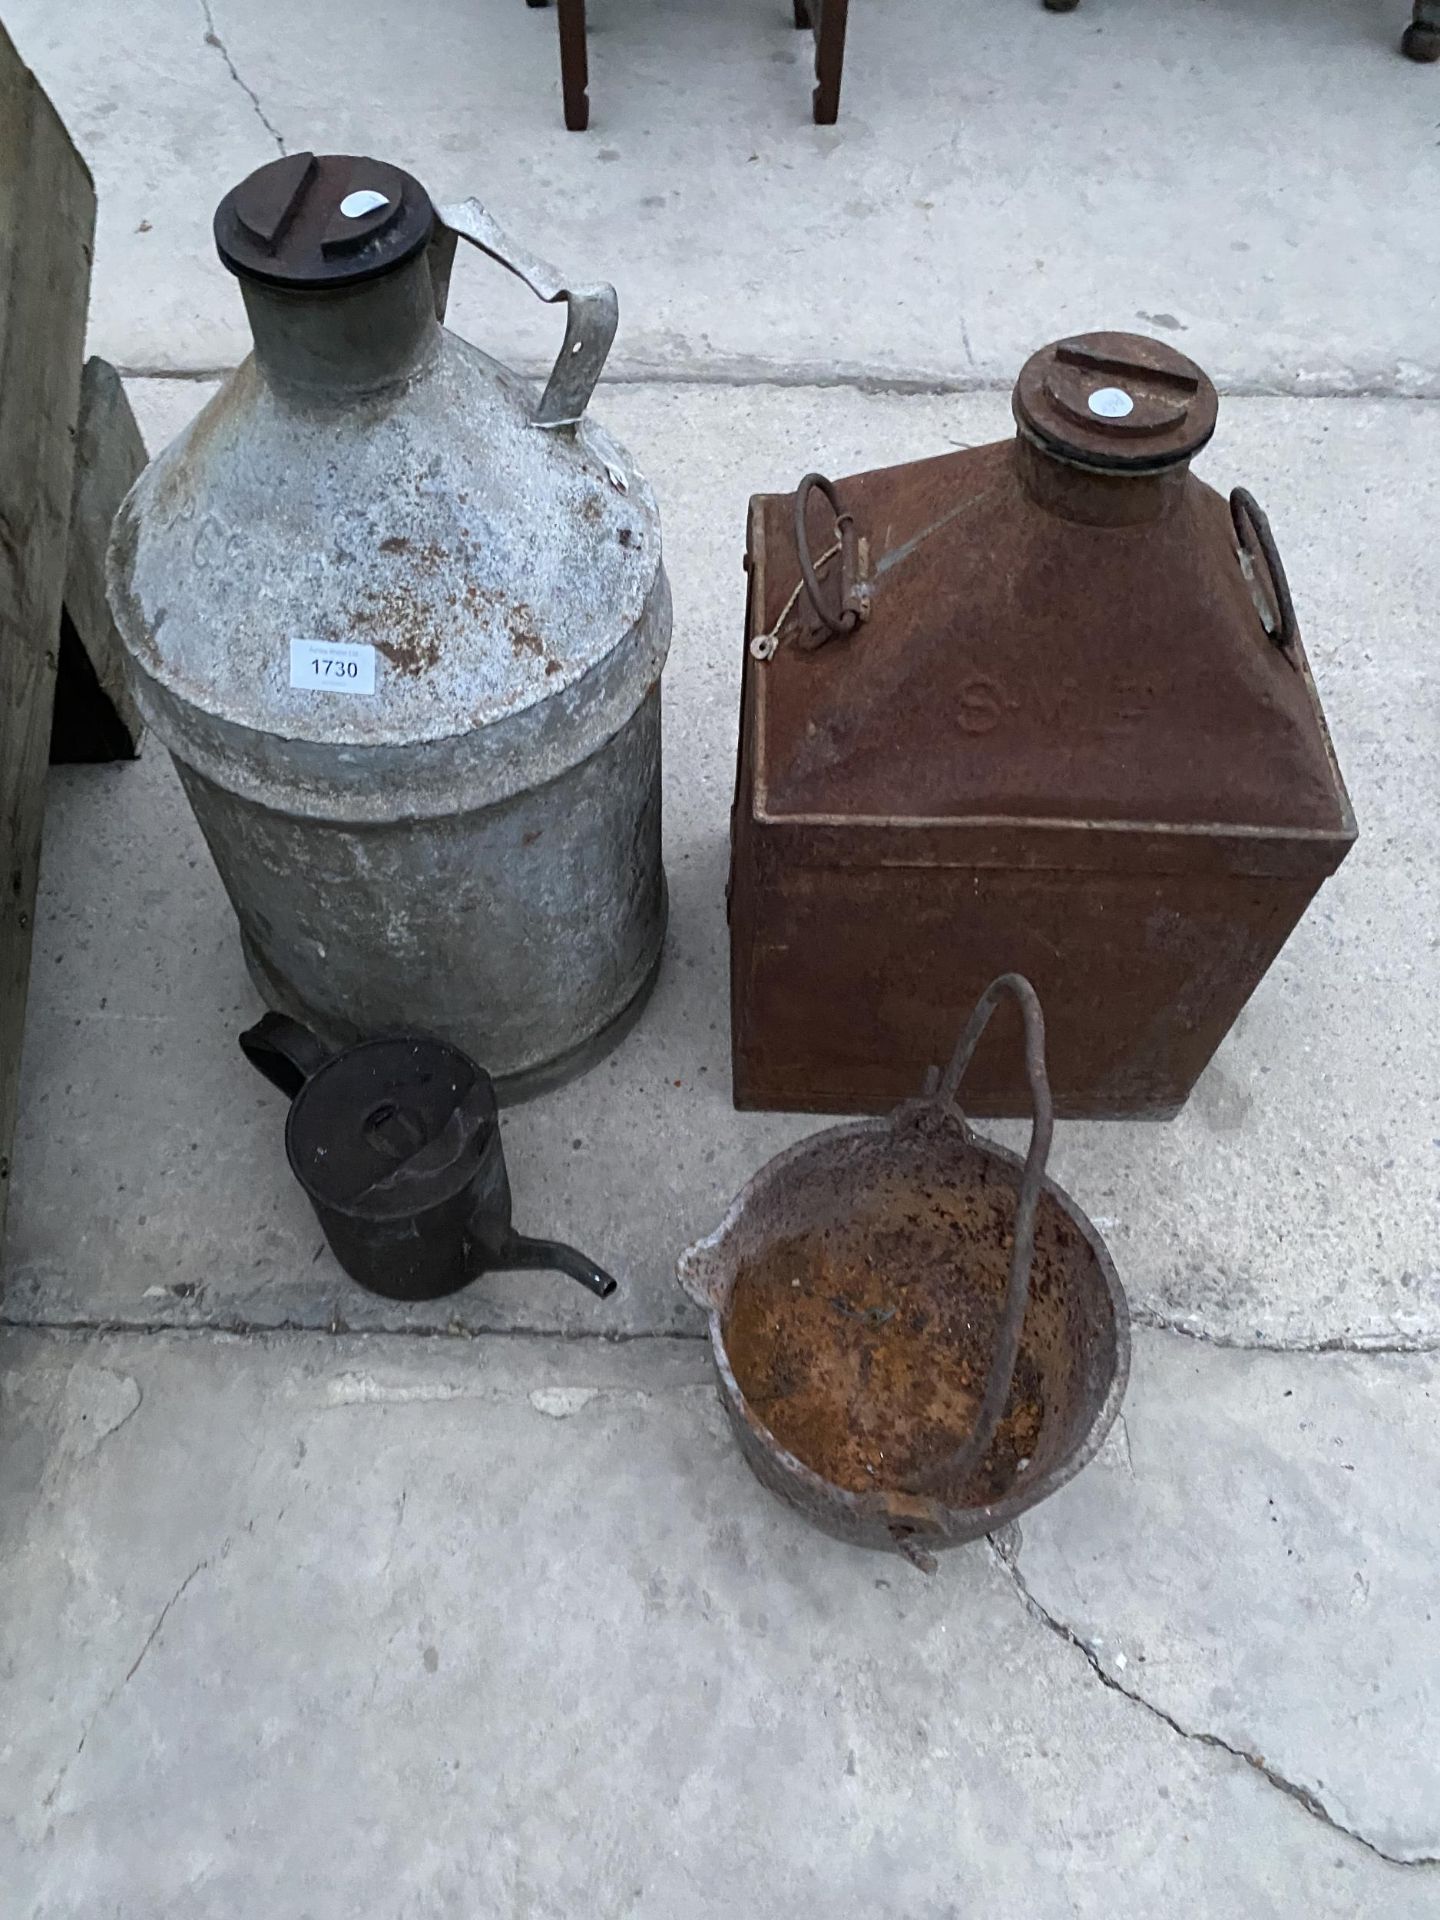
704	1269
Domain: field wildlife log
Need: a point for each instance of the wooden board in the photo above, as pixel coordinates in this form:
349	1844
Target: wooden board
47	221
95	717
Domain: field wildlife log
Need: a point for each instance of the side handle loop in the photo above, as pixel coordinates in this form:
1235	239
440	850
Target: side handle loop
1252	531
854	593
593	313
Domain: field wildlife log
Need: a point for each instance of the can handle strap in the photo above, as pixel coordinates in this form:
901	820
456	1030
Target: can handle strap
592	313
1022	1252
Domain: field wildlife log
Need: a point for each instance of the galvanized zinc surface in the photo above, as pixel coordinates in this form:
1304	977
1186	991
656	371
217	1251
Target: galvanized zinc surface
490	565
405	645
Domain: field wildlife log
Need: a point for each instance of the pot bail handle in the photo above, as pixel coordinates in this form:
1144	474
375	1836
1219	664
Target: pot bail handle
1017	1292
592	313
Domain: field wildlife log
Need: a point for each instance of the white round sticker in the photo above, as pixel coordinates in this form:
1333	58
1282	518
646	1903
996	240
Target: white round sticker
365	200
1111	403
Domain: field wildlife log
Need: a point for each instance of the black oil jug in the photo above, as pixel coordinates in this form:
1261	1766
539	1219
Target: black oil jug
396	1141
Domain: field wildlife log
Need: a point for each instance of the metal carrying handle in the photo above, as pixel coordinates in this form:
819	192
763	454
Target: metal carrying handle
854	594
1252	530
593	313
1017	1293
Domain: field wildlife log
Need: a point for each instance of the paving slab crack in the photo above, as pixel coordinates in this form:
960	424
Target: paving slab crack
130	1412
746	373
212	39
1361	1343
114	1694
242	1327
1005	1549
238	1328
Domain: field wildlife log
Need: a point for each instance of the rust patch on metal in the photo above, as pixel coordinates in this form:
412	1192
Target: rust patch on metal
414	625
520	620
480	600
863	1302
408	635
865	1347
885	1345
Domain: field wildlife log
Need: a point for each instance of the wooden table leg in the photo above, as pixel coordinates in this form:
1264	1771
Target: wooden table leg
574	65
829	18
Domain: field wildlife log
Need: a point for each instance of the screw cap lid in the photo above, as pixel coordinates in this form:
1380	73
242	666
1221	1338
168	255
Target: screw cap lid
311	221
1118	402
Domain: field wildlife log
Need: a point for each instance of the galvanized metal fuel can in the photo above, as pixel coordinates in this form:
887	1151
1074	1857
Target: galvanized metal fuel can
402	628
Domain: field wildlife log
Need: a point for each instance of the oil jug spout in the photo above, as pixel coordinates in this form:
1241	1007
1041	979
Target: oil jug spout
520	1252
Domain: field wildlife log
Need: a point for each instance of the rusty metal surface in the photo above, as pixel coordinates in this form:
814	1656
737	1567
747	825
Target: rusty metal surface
1063	743
856	1295
1017	663
474	849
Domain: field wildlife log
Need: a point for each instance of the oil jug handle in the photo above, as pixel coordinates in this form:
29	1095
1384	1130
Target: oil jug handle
1017	1292
592	313
284	1051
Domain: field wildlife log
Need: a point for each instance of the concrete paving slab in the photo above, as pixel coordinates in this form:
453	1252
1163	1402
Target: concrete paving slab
366	1626
1255	178
1254	1556
1294	1202
354	1629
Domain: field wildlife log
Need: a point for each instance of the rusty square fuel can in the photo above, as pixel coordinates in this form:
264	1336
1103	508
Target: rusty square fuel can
1039	707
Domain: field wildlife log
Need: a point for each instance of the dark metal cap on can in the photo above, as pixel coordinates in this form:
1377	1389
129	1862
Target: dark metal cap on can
1118	402
312	221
